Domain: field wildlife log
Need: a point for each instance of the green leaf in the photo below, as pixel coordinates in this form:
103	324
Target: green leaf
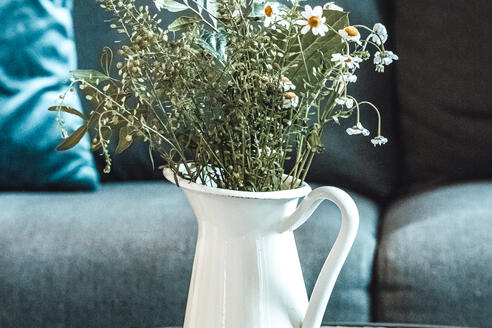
174	6
200	5
213	10
106	60
66	109
123	142
314	48
89	75
214	43
183	22
74	138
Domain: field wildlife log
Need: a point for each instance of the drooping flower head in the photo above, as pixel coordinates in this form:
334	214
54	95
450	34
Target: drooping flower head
343	80
286	84
313	21
346	61
379	34
358	129
379	140
290	100
345	101
382	58
350	34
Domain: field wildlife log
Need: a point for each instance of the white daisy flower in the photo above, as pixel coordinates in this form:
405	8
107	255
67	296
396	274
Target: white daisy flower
347	77
286	84
350	34
271	13
383	58
379	140
332	6
290	100
358	129
346	60
345	101
314	21
379	35
159	4
343	80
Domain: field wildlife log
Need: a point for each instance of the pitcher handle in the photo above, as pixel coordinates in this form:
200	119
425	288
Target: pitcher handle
339	252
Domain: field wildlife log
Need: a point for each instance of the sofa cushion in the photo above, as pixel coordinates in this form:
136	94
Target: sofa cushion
348	161
35	58
443	89
434	258
122	257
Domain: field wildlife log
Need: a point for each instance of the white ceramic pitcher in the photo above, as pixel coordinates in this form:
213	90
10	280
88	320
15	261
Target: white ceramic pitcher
246	272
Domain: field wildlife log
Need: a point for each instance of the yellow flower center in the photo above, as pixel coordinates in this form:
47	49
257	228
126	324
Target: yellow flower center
351	31
268	10
313	21
285	80
290	95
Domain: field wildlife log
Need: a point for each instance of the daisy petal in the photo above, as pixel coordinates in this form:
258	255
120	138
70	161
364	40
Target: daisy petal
308	12
305	29
318	11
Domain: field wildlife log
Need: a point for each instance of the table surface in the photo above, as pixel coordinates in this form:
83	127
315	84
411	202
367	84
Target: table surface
375	325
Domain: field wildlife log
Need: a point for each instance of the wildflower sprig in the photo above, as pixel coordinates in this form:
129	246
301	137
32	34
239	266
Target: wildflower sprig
231	90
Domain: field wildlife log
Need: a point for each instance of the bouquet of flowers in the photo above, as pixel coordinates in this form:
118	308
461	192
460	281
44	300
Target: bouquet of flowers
231	91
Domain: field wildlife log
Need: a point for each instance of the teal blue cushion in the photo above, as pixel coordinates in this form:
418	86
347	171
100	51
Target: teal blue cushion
35	58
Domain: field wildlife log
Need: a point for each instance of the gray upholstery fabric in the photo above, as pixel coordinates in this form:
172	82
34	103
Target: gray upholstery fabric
444	90
115	258
351	161
435	258
122	257
351	298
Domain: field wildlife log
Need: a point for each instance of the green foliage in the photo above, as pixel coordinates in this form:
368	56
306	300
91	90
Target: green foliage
89	75
125	139
67	109
183	22
227	99
314	51
174	6
73	139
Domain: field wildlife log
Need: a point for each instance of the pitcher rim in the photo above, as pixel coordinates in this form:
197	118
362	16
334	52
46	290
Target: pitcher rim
301	191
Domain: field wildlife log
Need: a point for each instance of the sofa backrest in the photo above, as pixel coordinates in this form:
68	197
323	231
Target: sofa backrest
444	92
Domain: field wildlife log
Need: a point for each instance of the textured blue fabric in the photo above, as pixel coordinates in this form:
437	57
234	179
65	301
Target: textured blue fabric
37	51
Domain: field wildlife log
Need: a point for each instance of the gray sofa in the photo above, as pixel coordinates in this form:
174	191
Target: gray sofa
122	256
